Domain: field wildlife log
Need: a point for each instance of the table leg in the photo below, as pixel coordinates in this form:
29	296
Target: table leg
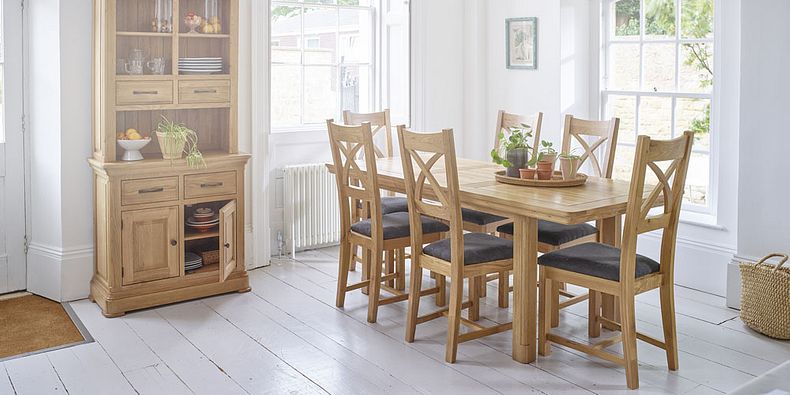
611	233
525	287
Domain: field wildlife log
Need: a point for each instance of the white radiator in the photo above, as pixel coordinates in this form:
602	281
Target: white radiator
312	215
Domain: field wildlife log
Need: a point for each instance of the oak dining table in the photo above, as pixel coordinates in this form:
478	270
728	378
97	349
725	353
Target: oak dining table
599	199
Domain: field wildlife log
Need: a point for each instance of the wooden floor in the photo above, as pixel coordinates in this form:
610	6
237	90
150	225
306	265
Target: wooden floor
287	337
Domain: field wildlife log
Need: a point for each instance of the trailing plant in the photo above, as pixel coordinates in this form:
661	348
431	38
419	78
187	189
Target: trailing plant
515	138
179	133
574	154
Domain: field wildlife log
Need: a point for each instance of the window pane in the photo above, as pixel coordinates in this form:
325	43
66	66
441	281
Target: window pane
624	67
320	35
356	88
356	31
320	94
659	18
696	68
697	179
626	18
655	117
623	163
694	115
364	3
286	98
659	71
623	107
696	18
286	26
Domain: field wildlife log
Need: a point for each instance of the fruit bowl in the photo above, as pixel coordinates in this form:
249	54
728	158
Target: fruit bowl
133	148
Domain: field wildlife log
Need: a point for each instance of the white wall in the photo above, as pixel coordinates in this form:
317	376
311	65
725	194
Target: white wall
763	212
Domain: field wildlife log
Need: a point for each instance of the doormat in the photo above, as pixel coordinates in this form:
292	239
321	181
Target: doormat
30	324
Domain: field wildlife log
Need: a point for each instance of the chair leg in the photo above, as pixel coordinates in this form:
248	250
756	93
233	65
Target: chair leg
504	289
628	328
668	322
474	297
354	254
342	273
374	287
555	303
389	266
454	318
366	260
544	314
594	311
483	289
441	296
400	262
414	300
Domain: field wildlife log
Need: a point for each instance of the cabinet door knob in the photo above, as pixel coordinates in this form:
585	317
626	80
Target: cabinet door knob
227	245
173	243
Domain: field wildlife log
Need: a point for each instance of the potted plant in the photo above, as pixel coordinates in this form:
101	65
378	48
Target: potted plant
548	152
527	173
545	160
569	164
175	139
514	145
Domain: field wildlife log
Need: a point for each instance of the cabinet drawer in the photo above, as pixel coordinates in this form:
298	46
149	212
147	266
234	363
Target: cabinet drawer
144	92
199	185
204	91
149	190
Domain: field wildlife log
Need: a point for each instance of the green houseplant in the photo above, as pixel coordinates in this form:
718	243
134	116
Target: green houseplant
175	140
514	145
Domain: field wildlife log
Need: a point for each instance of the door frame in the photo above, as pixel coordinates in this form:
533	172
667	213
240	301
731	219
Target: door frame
13	149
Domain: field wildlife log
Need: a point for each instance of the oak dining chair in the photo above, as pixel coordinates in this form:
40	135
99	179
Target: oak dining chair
622	272
482	222
381	128
598	141
430	172
379	232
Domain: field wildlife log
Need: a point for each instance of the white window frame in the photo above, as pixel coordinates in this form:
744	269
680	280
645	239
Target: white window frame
690	212
375	86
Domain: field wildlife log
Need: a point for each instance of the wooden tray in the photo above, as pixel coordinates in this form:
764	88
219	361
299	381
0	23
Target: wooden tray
555	182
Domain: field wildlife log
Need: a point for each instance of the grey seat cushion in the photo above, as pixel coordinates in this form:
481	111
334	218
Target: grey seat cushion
391	204
478	248
595	259
556	234
479	217
396	225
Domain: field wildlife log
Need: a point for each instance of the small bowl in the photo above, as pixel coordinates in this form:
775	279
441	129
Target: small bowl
133	148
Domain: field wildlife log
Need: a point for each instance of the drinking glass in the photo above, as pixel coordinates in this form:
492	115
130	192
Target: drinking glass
156	65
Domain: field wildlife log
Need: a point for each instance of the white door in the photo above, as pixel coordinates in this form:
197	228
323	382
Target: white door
12	170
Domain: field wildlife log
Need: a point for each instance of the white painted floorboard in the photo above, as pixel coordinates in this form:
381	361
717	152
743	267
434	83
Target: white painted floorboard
286	336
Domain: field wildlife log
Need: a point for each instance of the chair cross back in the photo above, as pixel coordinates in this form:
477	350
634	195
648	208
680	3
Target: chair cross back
348	144
670	186
506	121
379	121
606	133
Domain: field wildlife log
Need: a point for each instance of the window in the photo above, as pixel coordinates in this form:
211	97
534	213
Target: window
2	77
658	79
322	62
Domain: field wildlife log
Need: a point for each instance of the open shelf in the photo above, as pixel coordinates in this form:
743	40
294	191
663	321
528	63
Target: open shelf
203	35
143	34
214	267
191	235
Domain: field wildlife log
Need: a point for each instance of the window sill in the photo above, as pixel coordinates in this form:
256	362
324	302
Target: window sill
704	220
300	129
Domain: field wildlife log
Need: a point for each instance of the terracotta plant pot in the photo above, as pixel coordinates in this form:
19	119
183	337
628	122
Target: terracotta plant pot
172	148
545	174
549	158
527	174
569	167
545	165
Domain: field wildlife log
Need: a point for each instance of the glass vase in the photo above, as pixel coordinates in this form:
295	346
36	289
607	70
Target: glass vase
211	21
163	17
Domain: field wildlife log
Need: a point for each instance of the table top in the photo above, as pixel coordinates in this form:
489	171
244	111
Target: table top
597	198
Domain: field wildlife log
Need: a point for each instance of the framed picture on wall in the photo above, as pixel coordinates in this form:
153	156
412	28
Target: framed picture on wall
521	37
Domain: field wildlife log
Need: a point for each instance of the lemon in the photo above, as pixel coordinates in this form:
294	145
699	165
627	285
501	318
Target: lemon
131	131
135	136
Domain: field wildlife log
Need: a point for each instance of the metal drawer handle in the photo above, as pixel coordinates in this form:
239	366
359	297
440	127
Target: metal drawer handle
173	243
152	190
145	92
211	185
204	91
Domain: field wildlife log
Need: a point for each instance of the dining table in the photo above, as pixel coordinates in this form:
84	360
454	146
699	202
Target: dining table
598	199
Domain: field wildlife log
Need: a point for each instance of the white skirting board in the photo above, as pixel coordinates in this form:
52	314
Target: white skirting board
59	274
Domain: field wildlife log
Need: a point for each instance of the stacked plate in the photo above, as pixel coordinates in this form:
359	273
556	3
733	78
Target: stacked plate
192	261
203	219
199	65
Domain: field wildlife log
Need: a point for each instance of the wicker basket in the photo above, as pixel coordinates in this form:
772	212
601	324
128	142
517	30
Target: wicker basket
210	257
765	297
